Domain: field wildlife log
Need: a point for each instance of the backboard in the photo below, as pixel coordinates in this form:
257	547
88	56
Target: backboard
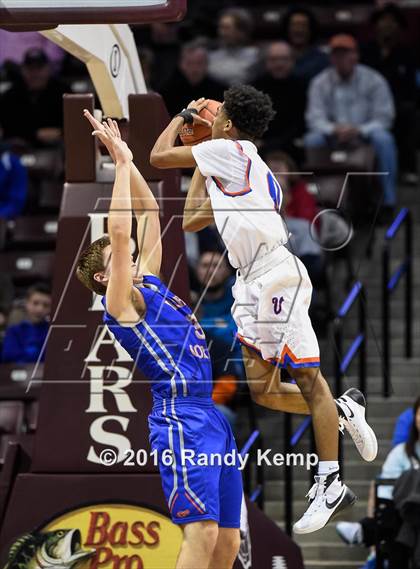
50	12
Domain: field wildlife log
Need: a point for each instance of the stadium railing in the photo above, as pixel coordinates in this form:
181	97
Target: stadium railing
389	285
253	473
358	345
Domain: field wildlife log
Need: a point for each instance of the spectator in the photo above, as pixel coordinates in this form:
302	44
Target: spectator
300	29
6	299
349	102
402	458
147	60
215	280
297	201
14	46
394	60
403	427
235	61
32	109
13	185
23	342
288	94
190	80
162	40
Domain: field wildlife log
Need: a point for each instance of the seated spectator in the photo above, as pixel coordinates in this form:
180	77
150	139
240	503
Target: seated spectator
405	456
300	29
235	61
288	94
297	200
215	279
403	427
13	184
6	299
348	103
389	55
162	40
32	109
298	210
190	81
23	342
14	46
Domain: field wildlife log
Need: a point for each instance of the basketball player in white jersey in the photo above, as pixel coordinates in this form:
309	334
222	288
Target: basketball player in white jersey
233	187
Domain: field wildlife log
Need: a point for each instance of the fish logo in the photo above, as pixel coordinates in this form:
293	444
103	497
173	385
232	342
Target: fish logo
277	302
183	513
59	549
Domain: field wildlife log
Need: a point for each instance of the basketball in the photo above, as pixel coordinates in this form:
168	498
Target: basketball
194	133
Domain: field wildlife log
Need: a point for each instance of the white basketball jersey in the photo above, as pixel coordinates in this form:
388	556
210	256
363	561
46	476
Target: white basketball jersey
245	197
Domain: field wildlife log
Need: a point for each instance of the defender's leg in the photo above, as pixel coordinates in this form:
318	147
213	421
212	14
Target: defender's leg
226	550
198	545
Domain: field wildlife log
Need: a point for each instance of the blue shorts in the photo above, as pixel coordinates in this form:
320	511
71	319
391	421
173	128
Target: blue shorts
202	482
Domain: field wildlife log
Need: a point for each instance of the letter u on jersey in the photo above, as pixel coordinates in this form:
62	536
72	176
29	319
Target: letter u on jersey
277	304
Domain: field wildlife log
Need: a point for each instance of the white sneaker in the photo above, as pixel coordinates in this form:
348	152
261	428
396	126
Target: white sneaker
350	532
327	497
351	413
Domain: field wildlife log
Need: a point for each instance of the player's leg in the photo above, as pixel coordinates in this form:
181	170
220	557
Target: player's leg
230	495
267	388
226	550
328	495
317	394
200	539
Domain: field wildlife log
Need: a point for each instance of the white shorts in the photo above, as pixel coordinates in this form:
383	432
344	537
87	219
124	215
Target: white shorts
272	299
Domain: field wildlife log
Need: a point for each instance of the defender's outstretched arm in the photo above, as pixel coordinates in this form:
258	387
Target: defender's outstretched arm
144	205
119	296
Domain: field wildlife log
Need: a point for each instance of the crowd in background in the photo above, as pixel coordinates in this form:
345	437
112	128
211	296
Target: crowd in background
334	91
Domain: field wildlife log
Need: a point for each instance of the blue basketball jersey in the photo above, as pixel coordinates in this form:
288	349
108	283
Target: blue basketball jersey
168	344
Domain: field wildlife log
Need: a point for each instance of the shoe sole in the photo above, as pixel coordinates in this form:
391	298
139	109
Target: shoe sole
348	500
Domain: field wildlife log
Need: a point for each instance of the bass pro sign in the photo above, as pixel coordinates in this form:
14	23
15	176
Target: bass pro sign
102	536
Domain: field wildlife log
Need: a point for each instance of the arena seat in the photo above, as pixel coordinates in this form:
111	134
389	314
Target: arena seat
24	267
331	166
25	441
37	232
31	415
12	415
3	230
50	194
42	163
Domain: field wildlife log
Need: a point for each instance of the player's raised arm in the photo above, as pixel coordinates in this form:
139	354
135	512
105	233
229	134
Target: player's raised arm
119	294
144	206
165	154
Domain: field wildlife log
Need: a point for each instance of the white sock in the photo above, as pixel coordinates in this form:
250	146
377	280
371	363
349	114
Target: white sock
326	467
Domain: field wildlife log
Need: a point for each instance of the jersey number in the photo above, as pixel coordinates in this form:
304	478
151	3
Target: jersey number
275	190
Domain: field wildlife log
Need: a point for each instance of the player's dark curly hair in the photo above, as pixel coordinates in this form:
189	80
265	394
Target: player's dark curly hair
249	110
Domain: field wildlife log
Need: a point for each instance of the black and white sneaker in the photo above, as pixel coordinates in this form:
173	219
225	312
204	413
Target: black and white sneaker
327	497
351	408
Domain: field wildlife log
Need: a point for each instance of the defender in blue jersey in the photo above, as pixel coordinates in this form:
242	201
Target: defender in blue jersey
162	335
